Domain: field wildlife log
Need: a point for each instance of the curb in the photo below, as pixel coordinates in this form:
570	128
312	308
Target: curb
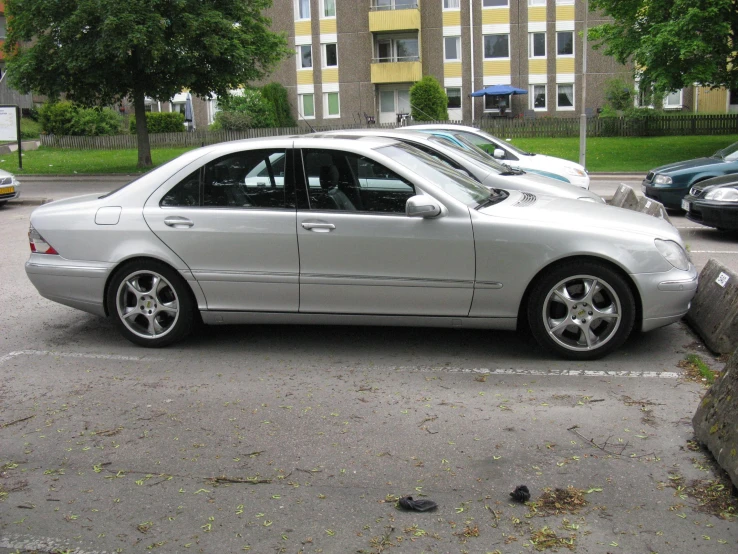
714	310
30	201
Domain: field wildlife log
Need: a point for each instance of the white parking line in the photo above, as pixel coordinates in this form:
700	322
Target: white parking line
713	251
17	353
544	373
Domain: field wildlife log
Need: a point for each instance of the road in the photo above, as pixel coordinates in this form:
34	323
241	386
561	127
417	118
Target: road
298	439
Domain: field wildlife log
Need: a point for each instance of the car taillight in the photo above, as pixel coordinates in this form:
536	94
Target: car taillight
38	244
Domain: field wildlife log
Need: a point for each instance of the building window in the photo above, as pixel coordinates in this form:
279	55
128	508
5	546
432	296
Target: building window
536	2
565	97
496	46
538	97
537	45
673	101
330	55
496	103
565	43
305	57
329	8
494	3
452	49
644	95
394	4
564	2
302	9
397	49
331	105
454	98
307	105
450	4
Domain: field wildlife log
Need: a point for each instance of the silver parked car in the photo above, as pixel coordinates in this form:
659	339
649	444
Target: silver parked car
9	187
368	230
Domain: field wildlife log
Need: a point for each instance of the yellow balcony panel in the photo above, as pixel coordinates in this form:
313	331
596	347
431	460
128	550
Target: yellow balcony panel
496	17
452	69
564	13
330	75
537	14
328	27
452	19
564	65
305	77
396	72
537	67
303	28
394	20
497	67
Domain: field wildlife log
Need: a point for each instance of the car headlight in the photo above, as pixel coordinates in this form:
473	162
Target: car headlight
662	180
725	194
673	253
570	170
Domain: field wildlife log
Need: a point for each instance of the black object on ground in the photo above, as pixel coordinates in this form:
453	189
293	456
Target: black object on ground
520	494
407	503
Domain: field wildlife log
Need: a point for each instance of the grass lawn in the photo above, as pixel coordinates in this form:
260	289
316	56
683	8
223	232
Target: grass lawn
636	154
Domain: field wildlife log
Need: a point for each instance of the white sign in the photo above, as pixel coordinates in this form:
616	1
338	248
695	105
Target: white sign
722	279
8	124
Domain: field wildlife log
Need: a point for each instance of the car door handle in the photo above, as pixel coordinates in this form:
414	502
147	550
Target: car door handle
178	222
318	227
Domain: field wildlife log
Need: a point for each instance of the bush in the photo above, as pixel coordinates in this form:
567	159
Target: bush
428	100
30	129
276	95
251	103
232	121
68	118
161	122
619	94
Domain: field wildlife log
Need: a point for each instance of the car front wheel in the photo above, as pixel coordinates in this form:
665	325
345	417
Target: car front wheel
581	310
149	303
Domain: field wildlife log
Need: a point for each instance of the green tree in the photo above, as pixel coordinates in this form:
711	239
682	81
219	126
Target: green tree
258	111
673	43
619	94
428	100
277	95
98	52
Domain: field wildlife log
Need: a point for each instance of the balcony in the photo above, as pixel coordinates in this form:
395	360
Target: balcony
396	70
394	15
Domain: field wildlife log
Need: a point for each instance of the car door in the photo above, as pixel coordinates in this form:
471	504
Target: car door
367	256
232	221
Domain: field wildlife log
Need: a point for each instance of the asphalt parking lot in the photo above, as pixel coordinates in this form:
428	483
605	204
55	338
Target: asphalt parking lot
299	439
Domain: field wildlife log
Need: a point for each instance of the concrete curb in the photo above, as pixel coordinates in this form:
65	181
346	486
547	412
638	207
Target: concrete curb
714	310
30	201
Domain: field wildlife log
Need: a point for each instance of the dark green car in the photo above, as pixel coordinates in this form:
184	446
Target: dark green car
670	183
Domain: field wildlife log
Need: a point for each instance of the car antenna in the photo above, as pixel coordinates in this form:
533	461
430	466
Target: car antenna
306	121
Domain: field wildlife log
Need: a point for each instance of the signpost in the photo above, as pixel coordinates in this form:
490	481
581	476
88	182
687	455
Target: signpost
10	128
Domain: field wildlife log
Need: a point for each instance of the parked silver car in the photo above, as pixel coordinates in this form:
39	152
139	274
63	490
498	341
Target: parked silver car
9	187
354	231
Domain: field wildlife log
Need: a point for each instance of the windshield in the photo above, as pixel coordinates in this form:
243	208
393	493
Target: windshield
452	182
474	153
729	154
488	143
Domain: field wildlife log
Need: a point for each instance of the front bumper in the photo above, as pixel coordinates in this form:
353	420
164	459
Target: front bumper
665	296
5	196
713	213
73	283
670	197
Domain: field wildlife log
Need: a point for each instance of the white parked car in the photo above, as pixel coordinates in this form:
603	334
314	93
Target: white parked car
9	187
512	156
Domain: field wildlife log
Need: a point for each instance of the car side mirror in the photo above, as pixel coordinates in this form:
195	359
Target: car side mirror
499	153
423	206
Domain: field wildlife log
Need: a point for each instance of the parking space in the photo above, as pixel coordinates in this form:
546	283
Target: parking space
299	439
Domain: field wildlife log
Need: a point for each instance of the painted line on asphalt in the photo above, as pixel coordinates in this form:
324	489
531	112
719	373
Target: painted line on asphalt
27	543
713	251
17	353
545	373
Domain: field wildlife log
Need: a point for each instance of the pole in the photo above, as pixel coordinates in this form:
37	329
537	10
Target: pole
20	140
583	117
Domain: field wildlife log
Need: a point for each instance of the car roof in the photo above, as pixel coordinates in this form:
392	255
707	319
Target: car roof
443	127
366	141
390	133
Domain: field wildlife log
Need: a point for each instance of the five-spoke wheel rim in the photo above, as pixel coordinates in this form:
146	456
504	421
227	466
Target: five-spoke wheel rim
147	304
582	313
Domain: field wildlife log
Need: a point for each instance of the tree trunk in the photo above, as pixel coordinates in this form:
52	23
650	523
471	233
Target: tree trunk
142	133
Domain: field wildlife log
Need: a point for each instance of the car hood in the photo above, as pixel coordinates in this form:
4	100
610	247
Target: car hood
555	211
687	164
539	184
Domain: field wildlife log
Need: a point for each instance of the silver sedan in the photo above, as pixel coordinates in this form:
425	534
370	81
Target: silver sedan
365	231
9	187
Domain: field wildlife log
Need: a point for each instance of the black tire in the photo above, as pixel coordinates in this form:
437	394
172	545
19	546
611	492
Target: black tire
150	303
575	323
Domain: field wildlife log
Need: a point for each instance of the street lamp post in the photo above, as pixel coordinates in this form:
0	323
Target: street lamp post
583	117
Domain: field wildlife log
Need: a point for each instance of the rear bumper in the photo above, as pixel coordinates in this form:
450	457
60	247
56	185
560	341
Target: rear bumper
665	297
77	284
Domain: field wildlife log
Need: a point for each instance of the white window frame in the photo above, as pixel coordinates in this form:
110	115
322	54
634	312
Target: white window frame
322	10
326	115
299	57
392	39
573	97
461	97
531	50
573	45
533	97
458	50
324	55
506	5
297	11
484	53
533	3
564	2
301	105
674	106
455	8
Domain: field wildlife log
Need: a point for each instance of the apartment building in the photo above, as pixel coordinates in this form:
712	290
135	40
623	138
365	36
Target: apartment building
359	58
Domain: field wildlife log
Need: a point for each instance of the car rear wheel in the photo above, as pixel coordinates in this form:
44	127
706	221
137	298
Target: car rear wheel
581	310
150	304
